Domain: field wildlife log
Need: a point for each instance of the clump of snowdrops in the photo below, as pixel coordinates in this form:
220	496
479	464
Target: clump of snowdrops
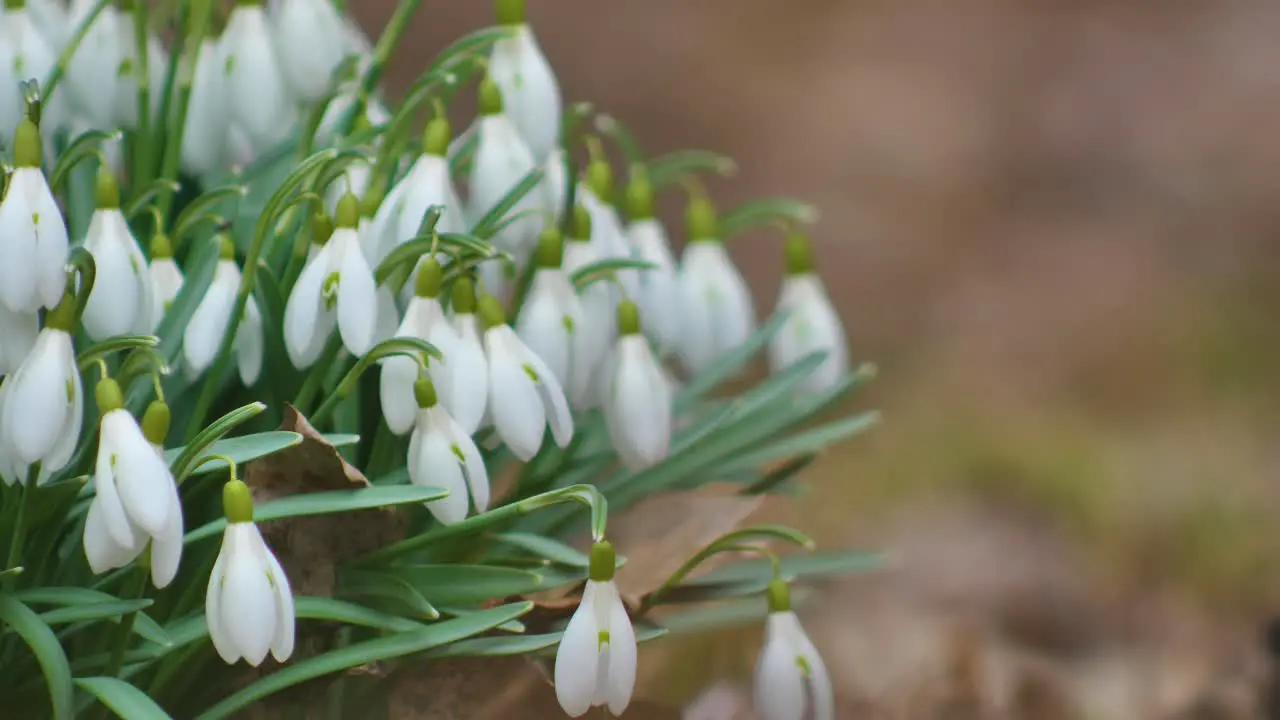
212	221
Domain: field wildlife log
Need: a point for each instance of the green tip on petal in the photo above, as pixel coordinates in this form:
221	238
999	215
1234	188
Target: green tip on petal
463	296
430	279
161	246
155	423
581	223
63	317
491	311
603	562
108	395
424	391
28	151
509	12
435	139
321	227
490	97
600	179
799	252
550	252
639	195
237	501
348	213
106	192
226	247
701	220
779	596
628	318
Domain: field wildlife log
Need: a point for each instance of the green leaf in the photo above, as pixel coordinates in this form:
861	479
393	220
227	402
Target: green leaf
604	269
44	645
753	576
728	364
327	503
364	653
89	613
521	644
467	584
672	168
339	611
484	229
83	147
240	449
124	699
110	346
399	592
477	42
545	547
143	197
143	625
420	246
806	442
766	211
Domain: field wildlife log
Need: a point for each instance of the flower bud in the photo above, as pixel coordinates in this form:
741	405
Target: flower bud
464	296
550	252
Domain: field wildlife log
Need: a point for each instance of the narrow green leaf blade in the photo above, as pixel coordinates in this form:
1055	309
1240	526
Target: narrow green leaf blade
143	625
347	613
326	503
484	228
467	584
49	654
124	699
545	547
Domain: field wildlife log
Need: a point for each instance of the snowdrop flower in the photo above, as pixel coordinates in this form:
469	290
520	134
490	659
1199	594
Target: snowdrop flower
718	311
791	680
310	43
596	659
598	326
249	605
135	497
607	234
501	161
166	278
203	334
442	455
257	98
25	54
43	402
524	395
551	320
428	183
121	300
637	407
466	393
18	332
205	137
94	70
812	324
657	289
355	180
33	236
131	77
423	319
527	82
336	287
555	185
50	18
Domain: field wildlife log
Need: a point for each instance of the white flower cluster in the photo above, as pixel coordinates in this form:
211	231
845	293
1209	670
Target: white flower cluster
608	346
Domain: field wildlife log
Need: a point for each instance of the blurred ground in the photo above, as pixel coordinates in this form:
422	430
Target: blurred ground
1053	224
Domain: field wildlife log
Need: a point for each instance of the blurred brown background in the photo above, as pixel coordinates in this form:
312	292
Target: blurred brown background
1052	224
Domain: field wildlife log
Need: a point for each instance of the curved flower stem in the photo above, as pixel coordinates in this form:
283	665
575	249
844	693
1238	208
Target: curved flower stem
64	60
417	349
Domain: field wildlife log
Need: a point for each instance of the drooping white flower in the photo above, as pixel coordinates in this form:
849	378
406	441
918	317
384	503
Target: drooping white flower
466	392
166	278
204	333
33	236
502	159
205	137
719	313
657	288
311	43
528	84
551	321
257	98
812	324
607	234
423	319
791	680
428	183
336	288
135	497
94	70
43	399
637	405
596	659
121	300
249	604
555	185
25	54
524	395
442	454
598	328
18	331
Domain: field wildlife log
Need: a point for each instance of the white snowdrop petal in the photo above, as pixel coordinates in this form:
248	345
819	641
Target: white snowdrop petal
441	468
166	548
530	92
258	100
18	332
166	282
100	546
286	620
18	251
819	688
622	659
40	395
204	139
780	692
141	476
501	160
357	301
52	248
388	315
578	657
248	600
518	413
309	41
467	394
399	408
65	447
118	298
213	606
472	464
304	311
553	401
541	326
249	344
203	334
